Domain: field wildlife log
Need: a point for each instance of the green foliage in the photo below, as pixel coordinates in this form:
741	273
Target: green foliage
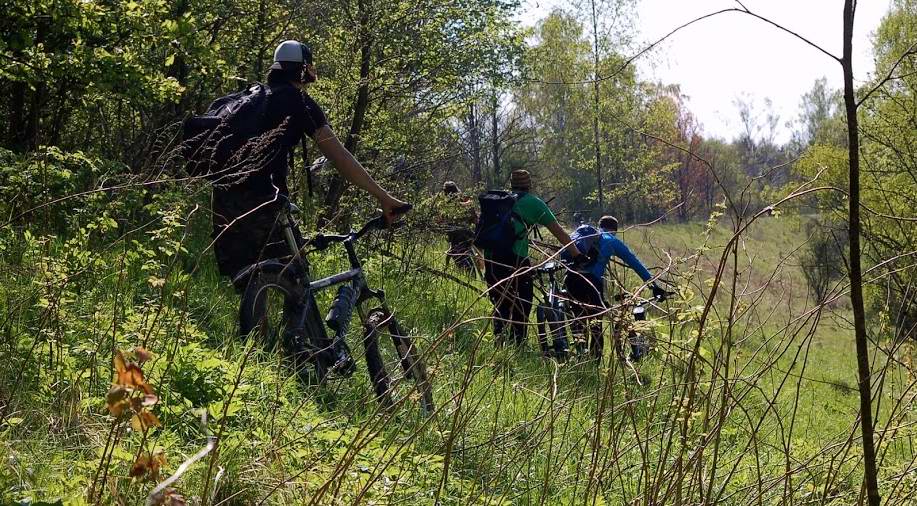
61	190
890	166
821	117
560	101
828	165
888	186
824	261
509	437
100	252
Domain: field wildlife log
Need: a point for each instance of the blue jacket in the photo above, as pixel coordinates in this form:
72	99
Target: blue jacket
610	246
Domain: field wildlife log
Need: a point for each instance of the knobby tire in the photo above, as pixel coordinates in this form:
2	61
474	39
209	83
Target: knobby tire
378	323
299	345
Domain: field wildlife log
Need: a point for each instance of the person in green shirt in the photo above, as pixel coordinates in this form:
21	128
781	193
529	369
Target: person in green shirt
512	299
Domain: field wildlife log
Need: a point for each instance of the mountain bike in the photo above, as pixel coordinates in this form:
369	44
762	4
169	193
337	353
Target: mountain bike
552	311
278	301
639	336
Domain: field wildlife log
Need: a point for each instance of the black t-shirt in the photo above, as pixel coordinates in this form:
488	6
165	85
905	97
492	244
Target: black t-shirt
286	101
243	212
261	164
291	113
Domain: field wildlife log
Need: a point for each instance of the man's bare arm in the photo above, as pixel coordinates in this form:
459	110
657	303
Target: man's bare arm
561	235
351	169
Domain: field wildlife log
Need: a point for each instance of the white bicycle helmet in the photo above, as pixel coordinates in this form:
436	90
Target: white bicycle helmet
292	51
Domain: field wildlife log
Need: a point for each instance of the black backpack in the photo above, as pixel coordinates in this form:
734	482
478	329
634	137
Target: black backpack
495	232
586	237
209	140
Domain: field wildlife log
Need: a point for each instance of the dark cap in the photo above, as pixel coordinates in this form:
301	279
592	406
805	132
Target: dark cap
608	223
520	179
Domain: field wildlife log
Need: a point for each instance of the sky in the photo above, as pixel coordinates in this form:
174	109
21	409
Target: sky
731	56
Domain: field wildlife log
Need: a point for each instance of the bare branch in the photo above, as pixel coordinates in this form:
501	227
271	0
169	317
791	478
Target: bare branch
646	49
890	75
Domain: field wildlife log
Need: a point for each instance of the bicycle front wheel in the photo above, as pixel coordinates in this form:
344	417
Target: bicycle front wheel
543	317
396	368
558	327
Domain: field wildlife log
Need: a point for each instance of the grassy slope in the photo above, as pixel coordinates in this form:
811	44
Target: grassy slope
771	277
770	274
512	427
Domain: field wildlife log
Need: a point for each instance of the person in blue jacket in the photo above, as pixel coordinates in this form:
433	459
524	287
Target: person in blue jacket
586	285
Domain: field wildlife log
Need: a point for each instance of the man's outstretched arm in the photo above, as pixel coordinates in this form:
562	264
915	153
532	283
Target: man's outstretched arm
351	170
624	253
561	235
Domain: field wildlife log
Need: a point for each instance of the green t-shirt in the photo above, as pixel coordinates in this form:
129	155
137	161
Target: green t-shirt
533	211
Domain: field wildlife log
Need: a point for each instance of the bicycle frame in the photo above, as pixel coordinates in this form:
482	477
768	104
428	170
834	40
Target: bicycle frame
354	275
356	270
298	267
305	336
550	294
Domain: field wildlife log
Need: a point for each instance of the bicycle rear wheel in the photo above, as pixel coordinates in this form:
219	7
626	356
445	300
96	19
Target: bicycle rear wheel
396	369
271	309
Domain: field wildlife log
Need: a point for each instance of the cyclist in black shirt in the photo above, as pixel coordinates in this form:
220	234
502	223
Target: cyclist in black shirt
245	208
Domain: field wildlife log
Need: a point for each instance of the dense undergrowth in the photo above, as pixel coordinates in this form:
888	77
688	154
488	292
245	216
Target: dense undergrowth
748	399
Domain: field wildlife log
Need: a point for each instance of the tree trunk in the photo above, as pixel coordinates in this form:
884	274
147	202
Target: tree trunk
336	184
495	135
474	132
61	113
595	119
16	121
29	136
259	39
856	274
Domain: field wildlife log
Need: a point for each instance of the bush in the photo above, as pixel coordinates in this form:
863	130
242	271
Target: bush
824	262
50	190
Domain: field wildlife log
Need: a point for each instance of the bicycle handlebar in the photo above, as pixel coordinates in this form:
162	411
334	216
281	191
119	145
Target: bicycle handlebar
561	265
552	266
322	241
642	302
379	223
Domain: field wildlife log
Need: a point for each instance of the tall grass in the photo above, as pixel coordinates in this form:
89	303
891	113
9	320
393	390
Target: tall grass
749	397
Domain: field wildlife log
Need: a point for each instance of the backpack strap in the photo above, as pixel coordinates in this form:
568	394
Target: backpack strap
513	215
305	162
536	232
